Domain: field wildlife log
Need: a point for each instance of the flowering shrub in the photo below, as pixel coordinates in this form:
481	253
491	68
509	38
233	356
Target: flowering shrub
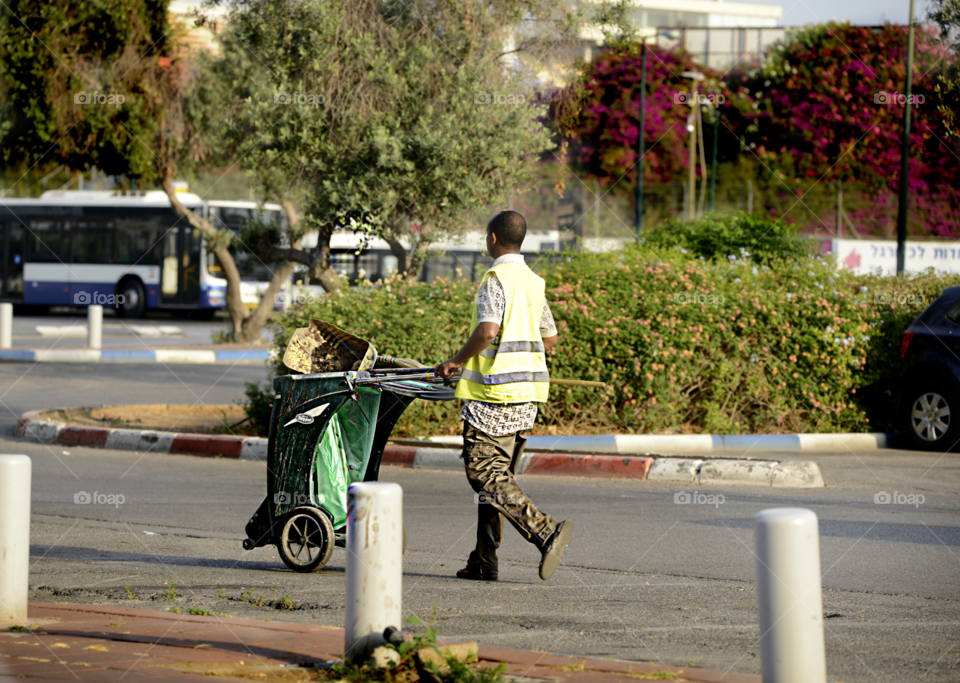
725	235
685	345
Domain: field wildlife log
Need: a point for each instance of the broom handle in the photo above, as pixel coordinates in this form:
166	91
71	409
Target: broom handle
578	383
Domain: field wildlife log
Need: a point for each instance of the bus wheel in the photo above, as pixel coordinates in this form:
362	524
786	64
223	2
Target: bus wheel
134	299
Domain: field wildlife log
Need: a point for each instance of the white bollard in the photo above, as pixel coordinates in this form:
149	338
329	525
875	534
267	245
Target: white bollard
95	326
790	596
374	565
14	536
6	326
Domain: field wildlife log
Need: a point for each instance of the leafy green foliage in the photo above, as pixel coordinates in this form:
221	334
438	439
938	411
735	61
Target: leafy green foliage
685	345
258	406
722	236
58	59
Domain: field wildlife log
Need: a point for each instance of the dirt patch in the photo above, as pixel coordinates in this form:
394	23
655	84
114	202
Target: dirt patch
170	417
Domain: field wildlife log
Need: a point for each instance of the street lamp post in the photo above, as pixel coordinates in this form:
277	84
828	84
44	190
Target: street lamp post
905	155
694	76
640	135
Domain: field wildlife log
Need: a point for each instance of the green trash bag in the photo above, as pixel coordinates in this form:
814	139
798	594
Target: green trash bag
343	452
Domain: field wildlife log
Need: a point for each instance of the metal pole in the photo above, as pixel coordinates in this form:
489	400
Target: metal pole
14	536
692	157
95	326
6	326
640	136
713	159
374	565
905	155
789	593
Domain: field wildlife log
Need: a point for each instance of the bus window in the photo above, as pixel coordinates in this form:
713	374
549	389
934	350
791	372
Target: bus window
135	242
191	263
50	241
93	242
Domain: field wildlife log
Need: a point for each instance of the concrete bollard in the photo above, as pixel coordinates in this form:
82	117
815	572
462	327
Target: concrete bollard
14	536
374	565
791	602
95	326
6	326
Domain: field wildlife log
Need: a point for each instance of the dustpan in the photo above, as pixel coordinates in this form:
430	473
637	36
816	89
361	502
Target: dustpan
322	347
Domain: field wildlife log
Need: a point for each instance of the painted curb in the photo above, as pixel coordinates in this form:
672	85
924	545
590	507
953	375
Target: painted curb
191	356
31	428
702	444
787	474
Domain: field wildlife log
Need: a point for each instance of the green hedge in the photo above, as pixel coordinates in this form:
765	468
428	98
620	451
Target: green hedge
686	345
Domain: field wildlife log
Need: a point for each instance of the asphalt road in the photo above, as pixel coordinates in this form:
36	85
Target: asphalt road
32	386
644	579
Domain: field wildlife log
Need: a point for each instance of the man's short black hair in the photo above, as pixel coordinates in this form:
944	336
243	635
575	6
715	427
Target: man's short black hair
509	227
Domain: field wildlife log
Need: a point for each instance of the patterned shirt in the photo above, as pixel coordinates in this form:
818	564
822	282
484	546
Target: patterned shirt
501	419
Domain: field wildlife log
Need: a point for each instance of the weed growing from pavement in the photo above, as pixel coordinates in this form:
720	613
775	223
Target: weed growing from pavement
118	624
286	603
660	675
410	666
130	594
18	627
200	612
175	610
171	593
221	593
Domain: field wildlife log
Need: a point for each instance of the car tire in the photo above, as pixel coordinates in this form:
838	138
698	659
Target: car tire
931	416
134	299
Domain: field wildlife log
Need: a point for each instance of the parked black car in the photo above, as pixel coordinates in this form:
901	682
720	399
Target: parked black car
929	405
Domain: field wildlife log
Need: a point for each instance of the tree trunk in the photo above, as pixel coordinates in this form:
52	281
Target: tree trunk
321	268
215	243
398	250
417	259
250	332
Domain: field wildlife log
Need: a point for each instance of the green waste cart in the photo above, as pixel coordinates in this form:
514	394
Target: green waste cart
326	432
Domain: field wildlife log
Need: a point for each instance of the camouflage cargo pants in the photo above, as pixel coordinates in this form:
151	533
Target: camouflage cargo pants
490	462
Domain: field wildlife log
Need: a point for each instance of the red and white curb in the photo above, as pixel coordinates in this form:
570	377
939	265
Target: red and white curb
774	473
702	444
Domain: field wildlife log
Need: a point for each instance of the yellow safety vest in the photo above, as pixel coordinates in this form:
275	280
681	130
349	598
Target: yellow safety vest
515	370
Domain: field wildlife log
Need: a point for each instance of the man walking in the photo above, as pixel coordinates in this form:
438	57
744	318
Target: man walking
504	377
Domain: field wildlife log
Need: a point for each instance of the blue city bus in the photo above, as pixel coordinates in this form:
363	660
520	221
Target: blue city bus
128	250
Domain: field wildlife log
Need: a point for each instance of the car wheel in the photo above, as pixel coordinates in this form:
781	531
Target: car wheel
134	299
932	417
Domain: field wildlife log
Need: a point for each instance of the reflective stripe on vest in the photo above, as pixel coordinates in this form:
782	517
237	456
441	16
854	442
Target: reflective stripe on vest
504	378
513	347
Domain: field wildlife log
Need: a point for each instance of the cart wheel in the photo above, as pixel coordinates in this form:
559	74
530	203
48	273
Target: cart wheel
306	542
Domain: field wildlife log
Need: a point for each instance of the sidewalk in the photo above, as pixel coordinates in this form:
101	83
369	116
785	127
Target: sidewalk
94	643
203	355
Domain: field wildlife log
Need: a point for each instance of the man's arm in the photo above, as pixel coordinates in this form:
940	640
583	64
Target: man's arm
550	343
478	341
